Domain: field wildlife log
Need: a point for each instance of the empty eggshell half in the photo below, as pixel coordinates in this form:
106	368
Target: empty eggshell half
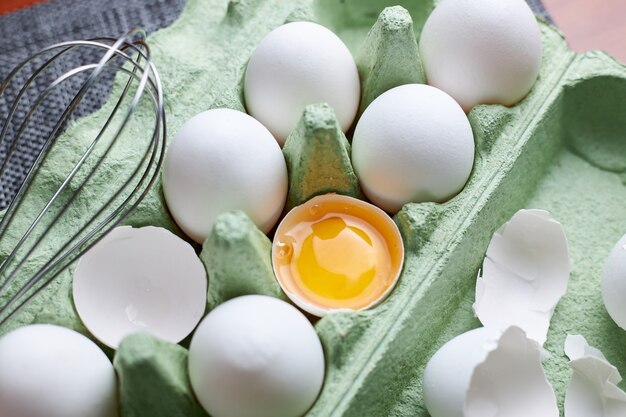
524	274
337	253
145	279
593	389
486	373
297	64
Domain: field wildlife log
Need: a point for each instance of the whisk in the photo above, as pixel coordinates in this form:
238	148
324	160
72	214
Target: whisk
58	214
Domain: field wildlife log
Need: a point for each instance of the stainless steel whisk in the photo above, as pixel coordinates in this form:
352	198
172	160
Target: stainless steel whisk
57	216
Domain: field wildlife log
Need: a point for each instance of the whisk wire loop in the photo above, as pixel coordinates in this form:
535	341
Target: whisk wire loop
18	288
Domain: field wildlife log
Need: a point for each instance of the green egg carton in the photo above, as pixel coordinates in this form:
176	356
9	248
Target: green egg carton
562	148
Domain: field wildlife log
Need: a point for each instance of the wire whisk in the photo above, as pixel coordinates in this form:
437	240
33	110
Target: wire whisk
88	176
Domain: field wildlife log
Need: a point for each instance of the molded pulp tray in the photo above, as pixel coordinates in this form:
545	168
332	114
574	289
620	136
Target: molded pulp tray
563	148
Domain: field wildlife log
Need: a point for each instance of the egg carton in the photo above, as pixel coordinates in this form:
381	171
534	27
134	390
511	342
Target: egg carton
562	148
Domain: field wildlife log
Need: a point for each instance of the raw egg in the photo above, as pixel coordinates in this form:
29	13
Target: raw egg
337	253
482	51
297	64
414	144
51	371
222	160
256	356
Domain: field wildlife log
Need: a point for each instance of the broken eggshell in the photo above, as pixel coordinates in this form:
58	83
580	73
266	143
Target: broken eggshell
524	275
144	279
486	373
593	389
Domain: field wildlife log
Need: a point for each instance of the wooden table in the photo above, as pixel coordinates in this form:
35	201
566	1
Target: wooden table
592	24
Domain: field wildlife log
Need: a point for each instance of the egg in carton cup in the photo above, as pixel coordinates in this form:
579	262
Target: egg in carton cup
562	148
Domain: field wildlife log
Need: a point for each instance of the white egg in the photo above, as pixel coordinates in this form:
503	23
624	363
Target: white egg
140	280
51	371
223	160
614	283
485	372
412	144
448	373
297	64
256	356
482	51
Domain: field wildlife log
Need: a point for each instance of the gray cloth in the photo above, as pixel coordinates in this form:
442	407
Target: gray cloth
27	31
539	9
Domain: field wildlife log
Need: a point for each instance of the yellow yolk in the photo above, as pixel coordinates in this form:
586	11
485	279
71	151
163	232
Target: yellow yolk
337	252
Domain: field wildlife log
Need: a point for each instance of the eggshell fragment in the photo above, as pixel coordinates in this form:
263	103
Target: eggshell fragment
412	144
482	51
297	64
614	283
256	356
485	373
593	389
223	160
145	279
51	371
524	275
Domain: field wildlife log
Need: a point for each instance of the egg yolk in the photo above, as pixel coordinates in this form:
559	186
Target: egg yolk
337	252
